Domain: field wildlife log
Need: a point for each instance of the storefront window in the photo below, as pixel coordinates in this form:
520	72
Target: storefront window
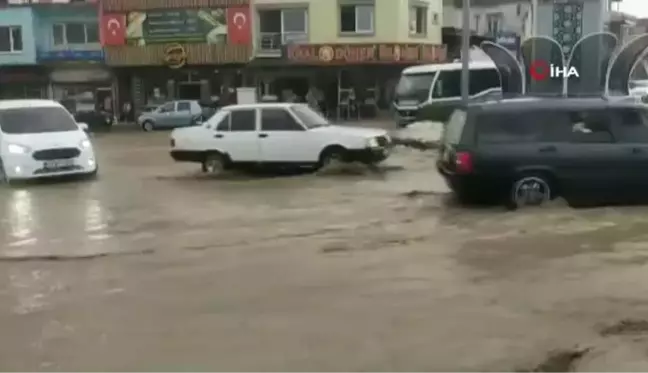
19	91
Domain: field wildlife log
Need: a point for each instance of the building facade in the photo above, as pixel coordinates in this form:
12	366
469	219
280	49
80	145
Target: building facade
352	51
20	76
68	46
166	49
491	18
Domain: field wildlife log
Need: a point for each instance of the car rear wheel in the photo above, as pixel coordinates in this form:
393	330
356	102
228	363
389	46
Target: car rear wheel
533	189
214	164
148	126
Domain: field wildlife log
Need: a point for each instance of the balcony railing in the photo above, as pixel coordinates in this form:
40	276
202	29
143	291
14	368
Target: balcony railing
273	41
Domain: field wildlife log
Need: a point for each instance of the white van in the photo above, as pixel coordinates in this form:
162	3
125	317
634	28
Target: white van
440	84
39	138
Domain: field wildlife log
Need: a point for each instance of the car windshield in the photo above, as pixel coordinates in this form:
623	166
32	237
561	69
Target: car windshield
414	87
36	120
309	117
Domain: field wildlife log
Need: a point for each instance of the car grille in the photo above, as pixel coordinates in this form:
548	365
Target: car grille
382	140
56	153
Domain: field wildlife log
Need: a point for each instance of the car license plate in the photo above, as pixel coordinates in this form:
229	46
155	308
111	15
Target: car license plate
58	163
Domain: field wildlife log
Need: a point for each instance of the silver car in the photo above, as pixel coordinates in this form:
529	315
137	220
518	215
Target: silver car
172	114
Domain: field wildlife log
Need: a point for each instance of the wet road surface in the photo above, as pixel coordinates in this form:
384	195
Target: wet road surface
156	267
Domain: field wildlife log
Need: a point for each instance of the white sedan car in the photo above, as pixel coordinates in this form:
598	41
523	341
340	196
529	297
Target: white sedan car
284	134
39	138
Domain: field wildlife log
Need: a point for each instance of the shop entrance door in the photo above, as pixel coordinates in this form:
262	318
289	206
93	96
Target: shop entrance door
189	91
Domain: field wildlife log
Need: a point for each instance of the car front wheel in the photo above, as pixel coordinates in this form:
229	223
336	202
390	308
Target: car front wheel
332	155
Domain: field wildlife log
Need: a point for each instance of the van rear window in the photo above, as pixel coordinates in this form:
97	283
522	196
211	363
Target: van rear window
454	128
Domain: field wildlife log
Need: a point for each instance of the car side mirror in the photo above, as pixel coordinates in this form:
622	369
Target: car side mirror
83	126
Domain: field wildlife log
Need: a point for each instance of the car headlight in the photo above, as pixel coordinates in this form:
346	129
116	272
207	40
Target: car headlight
372	142
17	149
85	144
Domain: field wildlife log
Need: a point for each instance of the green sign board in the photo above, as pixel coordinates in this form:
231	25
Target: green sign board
177	25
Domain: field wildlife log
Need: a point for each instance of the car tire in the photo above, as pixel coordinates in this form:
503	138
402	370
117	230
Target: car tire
148	126
214	164
529	190
331	155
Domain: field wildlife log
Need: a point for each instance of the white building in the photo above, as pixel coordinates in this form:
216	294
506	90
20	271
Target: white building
490	17
525	17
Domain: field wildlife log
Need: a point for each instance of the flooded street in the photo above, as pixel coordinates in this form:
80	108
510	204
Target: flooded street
156	267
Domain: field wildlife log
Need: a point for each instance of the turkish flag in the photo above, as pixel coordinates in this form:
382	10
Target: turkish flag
113	29
238	25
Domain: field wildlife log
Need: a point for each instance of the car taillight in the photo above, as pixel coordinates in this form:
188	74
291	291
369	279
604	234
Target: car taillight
172	143
463	163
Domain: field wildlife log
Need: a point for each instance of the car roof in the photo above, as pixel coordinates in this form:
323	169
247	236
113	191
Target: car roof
282	105
541	103
432	68
16	104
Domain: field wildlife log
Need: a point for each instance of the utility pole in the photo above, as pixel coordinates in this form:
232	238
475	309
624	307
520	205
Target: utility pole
465	52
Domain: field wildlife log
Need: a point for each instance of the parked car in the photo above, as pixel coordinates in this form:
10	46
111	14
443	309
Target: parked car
97	120
39	138
280	134
527	151
172	114
87	112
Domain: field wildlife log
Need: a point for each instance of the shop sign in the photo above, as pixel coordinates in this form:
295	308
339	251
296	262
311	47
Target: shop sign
365	53
175	56
173	25
70	55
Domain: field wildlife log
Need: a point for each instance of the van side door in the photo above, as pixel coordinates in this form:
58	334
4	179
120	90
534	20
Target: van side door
446	96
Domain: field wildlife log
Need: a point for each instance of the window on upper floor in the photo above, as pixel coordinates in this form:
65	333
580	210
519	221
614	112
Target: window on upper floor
357	18
75	33
282	26
11	39
495	22
418	20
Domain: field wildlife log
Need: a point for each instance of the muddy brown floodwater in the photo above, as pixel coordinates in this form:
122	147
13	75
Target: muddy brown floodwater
155	267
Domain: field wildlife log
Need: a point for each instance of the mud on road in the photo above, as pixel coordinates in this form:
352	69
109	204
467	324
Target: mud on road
156	267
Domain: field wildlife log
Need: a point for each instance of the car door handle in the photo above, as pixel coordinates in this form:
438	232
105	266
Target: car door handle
263	135
547	149
218	136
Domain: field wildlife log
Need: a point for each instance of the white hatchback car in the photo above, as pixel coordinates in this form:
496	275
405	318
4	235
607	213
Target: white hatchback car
39	138
283	134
